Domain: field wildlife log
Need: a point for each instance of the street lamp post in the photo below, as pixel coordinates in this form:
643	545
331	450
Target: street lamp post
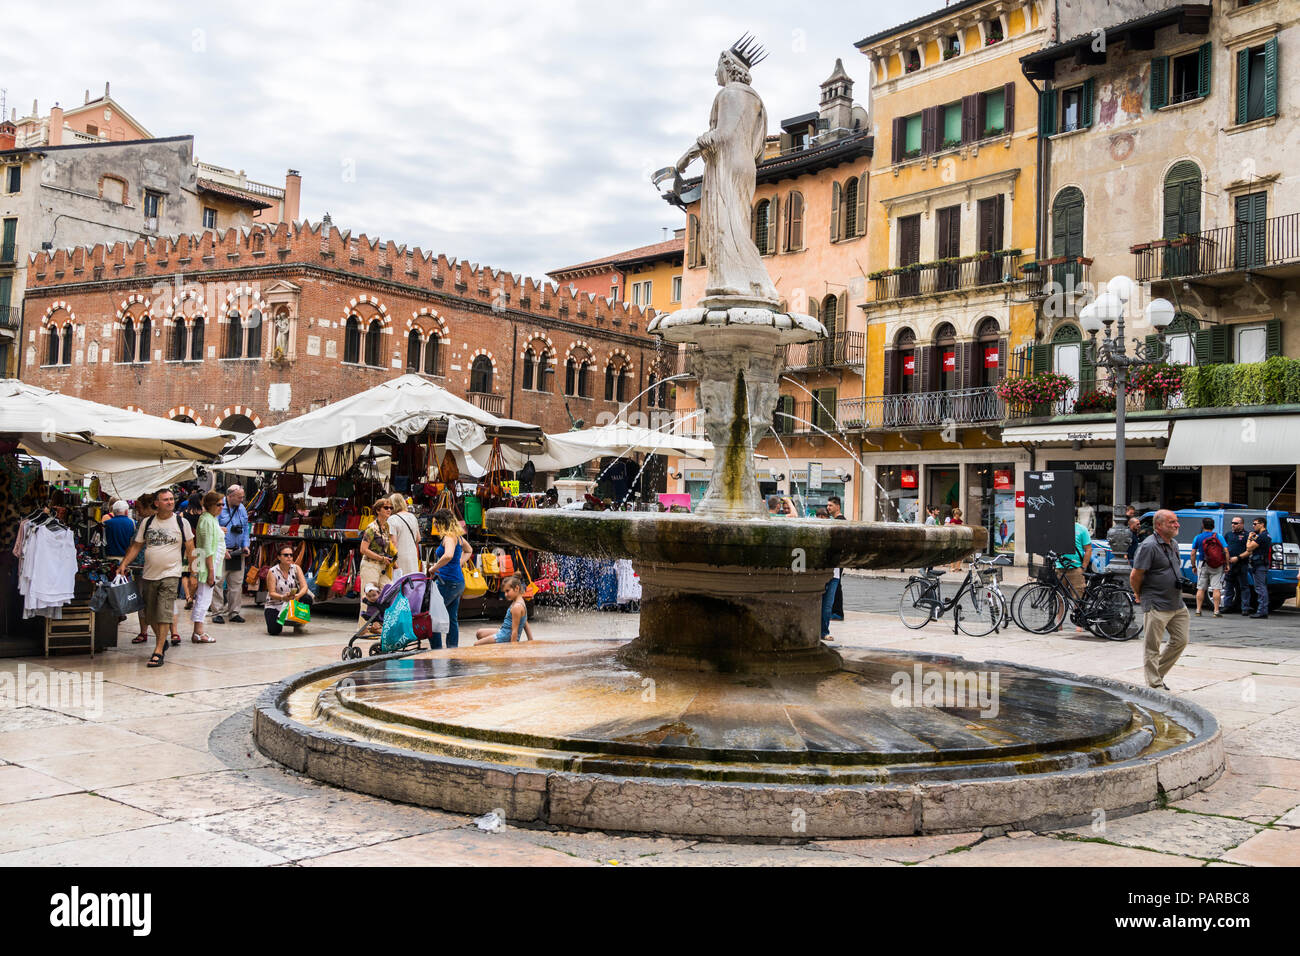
1103	312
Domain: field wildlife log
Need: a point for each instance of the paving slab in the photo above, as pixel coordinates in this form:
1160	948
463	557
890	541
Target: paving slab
1051	851
757	854
126	765
326	823
187	730
234	697
901	849
75	816
1268	848
1275	736
21	746
22	783
1234	795
1267	771
598	847
172	844
1170	831
460	847
120	702
27	718
203	794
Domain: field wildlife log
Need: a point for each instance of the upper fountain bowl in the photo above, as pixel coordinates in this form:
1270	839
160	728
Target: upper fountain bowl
686	325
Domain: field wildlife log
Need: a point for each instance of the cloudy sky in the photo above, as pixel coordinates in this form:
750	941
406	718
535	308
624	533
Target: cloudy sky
520	135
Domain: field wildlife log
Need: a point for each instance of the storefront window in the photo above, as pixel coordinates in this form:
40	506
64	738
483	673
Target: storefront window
810	501
897	493
944	490
1265	488
992	491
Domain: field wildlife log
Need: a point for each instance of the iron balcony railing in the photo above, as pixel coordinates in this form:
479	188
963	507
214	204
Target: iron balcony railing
1236	248
952	407
1135	400
815	418
493	404
937	278
10	316
842	348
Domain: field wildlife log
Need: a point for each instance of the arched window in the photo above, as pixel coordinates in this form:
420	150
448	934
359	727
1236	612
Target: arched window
52	345
851	207
584	379
253	335
620	385
545	373
609	381
1068	360
184	418
945	358
146	339
177	347
1182	217
830	316
67	344
433	355
480	375
413	345
352	341
237	423
990	356
906	375
530	368
652	383
1067	236
762	215
196	338
128	339
1179	338
373	332
234	334
570	376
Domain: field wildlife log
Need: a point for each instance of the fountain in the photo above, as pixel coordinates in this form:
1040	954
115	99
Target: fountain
728	715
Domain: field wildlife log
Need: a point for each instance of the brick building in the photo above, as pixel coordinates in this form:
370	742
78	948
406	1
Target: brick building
251	327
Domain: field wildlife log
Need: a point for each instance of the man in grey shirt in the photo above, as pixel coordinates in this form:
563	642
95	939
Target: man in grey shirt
1156	580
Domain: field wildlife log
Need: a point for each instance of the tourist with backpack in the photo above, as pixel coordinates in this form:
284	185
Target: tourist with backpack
1209	558
168	545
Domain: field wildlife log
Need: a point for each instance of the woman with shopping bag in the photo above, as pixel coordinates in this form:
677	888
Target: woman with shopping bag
209	563
453	551
285	587
378	556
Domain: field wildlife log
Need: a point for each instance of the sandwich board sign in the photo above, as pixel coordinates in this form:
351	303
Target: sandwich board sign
1049	512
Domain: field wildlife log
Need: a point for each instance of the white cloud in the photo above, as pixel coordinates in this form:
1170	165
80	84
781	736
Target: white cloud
515	134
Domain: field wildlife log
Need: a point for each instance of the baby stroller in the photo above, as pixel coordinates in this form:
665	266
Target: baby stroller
403	609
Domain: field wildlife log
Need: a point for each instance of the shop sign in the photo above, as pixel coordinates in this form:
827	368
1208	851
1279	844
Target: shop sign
511	486
1001	480
909	365
1164	467
697	474
991	356
1106	465
1020	498
814	476
908	479
950	361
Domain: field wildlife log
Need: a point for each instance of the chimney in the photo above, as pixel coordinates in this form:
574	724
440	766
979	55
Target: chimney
87	99
106	89
56	125
8	135
292	196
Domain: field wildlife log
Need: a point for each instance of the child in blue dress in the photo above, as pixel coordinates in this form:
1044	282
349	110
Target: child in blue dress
516	623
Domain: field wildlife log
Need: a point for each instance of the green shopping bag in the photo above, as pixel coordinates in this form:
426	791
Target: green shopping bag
295	612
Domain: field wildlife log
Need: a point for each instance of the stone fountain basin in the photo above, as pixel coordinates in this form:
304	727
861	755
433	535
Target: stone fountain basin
758	543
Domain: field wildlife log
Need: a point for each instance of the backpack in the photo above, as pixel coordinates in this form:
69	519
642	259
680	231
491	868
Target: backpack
1213	551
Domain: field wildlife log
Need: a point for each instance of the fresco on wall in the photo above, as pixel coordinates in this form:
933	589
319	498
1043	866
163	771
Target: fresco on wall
1120	100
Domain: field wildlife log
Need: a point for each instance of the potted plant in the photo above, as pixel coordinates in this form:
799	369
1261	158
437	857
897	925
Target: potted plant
1158	381
1159	243
951	52
952	143
1037	392
1096	401
1182	240
1030	267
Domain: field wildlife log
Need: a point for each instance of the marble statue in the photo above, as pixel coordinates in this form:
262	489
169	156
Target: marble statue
731	149
282	334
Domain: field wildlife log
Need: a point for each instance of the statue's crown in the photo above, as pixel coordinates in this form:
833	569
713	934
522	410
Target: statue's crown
748	51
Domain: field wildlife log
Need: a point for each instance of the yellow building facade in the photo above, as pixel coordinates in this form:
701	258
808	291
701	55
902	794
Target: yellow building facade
951	226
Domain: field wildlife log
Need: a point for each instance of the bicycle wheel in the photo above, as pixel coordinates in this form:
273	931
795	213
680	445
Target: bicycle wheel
1110	612
913	612
978	612
1037	608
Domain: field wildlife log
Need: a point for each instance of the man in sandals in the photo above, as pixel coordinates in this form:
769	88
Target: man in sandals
168	547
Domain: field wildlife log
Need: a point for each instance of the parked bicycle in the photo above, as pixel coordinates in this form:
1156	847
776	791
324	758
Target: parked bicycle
1104	608
977	608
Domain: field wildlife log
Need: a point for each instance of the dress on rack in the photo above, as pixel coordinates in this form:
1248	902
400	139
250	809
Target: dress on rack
47	568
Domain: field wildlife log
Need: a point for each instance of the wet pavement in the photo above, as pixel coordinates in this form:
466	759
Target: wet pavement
108	762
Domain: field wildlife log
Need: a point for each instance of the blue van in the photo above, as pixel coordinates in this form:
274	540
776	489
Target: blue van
1283	528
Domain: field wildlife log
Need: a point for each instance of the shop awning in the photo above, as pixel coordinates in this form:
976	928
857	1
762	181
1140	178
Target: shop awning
1244	441
1084	432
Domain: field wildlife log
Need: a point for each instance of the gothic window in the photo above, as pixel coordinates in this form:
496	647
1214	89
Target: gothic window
480	375
373	332
352	341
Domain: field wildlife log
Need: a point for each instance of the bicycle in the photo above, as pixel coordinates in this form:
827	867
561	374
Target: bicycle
977	608
1104	608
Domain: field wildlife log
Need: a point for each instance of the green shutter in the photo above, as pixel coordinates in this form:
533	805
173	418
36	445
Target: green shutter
1047	113
1205	56
1152	344
1087	369
1273	338
1220	345
1042	359
1201	346
1243	85
1173	221
1159	82
1085	103
1270	77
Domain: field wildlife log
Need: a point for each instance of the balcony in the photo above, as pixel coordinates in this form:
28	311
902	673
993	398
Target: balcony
11	316
811	418
841	349
8	252
958	407
493	404
940	278
1241	247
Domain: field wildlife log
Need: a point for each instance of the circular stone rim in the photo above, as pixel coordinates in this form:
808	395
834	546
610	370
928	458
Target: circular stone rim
692	808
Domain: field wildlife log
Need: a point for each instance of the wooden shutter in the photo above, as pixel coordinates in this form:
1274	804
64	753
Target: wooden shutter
1243	85
980	120
1272	338
692	242
909	240
929	129
773	221
1270	77
796	221
968	109
1001	372
1205	56
1046	112
753	227
1009	107
1085	103
925	358
1211	345
1159	82
835	211
890	385
785	225
970	363
1172	217
896	147
1087	369
862	205
1041	360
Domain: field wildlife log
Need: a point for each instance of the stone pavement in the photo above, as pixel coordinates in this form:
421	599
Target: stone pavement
165	772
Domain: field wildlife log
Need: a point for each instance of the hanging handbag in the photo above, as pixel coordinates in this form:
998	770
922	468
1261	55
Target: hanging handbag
289	481
505	565
475	583
329	569
327	519
254	568
365	519
339	586
324	486
489	563
278	507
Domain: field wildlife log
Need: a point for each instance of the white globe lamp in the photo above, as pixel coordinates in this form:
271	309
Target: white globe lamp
1160	312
